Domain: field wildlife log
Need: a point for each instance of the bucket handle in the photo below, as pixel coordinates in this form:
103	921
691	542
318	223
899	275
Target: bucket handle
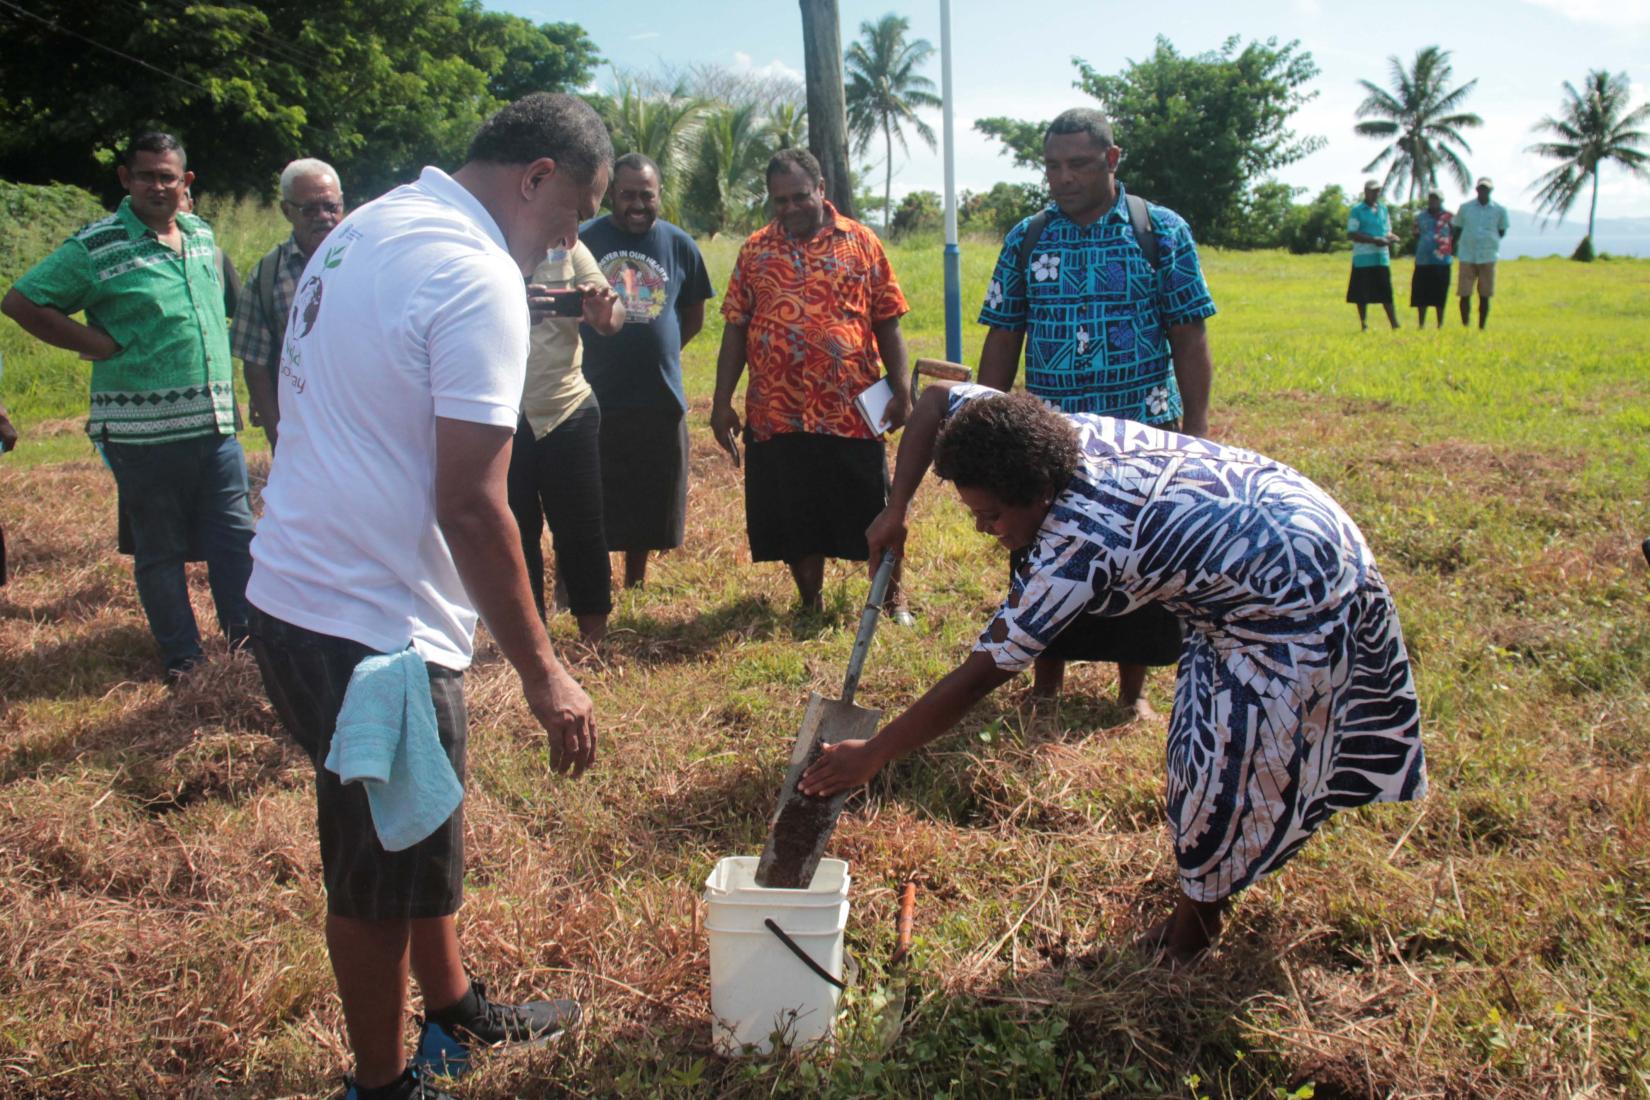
796	949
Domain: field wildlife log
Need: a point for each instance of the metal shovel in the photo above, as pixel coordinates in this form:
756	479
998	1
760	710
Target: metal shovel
802	823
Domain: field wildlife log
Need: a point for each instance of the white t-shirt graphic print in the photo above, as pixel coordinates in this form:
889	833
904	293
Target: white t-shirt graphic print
411	309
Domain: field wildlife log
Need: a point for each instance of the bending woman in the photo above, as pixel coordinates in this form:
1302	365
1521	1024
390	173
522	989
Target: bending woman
1294	697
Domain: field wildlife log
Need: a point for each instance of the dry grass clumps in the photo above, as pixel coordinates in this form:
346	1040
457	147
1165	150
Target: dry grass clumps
161	909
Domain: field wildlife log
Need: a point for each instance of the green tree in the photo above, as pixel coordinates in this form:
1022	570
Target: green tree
726	189
1421	119
663	127
917	212
1594	127
1000	209
884	92
1196	131
377	89
1320	226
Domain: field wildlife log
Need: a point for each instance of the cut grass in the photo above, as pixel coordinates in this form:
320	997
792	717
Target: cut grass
159	881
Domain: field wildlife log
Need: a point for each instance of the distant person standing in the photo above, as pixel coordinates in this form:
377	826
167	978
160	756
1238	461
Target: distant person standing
163	391
1370	227
1479	226
1105	293
636	372
312	202
1429	286
555	463
814	308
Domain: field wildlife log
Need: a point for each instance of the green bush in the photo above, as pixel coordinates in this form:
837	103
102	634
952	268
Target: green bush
918	212
1319	226
1584	251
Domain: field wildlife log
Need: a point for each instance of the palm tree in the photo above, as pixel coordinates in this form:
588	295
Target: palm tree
1422	120
726	188
662	126
1595	127
884	91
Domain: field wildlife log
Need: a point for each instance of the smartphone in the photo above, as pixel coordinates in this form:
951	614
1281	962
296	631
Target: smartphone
562	303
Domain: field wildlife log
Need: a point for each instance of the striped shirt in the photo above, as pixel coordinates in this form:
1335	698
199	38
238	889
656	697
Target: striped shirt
172	377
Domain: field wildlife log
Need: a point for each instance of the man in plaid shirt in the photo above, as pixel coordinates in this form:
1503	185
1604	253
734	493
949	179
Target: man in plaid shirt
313	202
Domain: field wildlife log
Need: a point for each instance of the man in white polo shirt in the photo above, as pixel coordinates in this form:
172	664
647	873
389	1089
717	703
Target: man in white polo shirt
386	526
1479	226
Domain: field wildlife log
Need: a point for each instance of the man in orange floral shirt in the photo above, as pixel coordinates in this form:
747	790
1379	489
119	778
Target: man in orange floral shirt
814	309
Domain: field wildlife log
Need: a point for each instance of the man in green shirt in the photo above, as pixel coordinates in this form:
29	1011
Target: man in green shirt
163	397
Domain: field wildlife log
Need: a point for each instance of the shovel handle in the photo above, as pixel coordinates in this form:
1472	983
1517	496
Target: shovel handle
902	927
868	625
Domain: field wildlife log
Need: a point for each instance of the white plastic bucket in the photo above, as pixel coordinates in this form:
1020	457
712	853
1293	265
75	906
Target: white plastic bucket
758	984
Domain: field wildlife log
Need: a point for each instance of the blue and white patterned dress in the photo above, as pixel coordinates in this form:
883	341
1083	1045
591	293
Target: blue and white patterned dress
1294	696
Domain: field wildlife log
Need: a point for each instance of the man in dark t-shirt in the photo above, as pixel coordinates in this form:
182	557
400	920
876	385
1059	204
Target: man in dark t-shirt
658	273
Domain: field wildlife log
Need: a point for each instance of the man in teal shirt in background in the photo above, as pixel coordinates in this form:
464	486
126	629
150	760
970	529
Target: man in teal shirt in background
163	396
1479	226
1370	227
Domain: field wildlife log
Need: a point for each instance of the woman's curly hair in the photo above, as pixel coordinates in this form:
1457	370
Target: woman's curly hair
1014	446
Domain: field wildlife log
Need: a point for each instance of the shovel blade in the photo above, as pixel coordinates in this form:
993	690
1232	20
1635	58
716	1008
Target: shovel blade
801	825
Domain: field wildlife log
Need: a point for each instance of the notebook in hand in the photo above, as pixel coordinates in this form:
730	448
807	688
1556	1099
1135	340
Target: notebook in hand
873	403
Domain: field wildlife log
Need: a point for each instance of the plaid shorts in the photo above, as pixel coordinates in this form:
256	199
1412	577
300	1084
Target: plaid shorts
306	674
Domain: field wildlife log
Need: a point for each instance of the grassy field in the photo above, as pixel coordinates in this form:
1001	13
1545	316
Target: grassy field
160	902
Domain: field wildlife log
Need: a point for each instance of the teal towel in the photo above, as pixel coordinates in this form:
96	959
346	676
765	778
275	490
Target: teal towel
386	740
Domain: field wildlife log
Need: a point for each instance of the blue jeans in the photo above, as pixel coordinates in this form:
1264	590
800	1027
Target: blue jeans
187	501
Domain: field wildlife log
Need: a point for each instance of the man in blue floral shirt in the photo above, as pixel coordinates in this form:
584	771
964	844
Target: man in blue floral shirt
1105	330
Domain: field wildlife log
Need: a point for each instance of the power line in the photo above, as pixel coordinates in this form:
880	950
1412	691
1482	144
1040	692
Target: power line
52	24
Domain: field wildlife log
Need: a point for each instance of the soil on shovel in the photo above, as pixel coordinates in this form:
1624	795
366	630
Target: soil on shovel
801	828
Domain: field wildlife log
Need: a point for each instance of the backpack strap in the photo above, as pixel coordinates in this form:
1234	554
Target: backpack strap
1034	233
274	320
1140	219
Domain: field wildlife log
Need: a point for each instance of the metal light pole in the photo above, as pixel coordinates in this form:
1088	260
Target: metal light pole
953	256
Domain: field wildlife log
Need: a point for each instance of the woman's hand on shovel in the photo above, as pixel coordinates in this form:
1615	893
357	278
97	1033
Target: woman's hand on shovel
841	766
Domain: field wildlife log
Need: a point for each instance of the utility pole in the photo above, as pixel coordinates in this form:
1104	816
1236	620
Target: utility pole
827	103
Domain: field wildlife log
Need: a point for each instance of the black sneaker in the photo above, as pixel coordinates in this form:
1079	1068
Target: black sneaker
411	1086
449	1037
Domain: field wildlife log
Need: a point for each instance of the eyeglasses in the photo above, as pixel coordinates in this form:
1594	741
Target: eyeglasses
157	179
315	209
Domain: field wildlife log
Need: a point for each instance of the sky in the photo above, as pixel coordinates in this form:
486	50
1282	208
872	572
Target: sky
1014	59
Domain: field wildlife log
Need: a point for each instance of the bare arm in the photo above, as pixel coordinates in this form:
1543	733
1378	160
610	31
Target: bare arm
471	463
603	309
891	347
260	389
1000	358
692	319
850	763
730	364
1194	370
54	327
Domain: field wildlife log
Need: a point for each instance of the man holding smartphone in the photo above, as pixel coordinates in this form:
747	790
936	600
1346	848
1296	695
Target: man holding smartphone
555	465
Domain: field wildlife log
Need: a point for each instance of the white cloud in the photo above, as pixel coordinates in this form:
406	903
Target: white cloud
1307	8
742	63
1605	13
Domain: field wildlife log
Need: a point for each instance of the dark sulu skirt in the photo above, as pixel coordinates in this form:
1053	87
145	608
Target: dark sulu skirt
1370	285
644	456
1429	286
809	494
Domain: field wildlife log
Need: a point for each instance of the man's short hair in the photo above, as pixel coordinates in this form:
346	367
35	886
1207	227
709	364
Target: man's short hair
796	160
637	162
1082	120
545	124
154	141
305	168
